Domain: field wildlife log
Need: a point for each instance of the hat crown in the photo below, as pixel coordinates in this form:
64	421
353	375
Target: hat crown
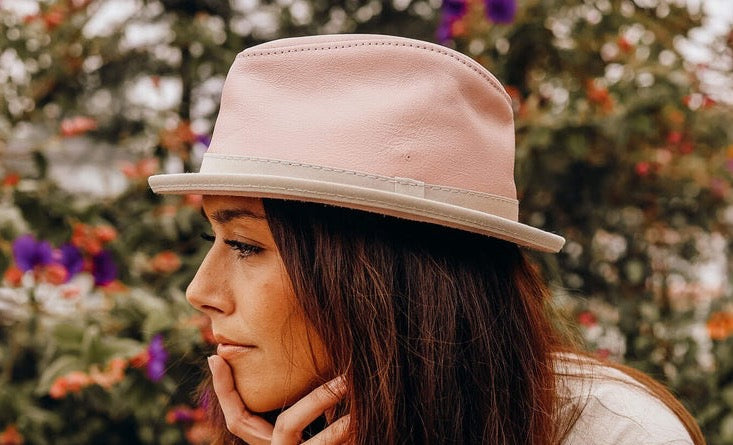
379	123
377	105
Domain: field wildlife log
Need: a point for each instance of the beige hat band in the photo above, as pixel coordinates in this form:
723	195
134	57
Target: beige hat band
243	165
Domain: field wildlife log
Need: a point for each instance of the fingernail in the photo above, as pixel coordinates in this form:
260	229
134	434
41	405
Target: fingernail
339	383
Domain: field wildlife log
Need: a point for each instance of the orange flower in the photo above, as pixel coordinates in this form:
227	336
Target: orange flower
183	413
179	139
54	273
141	169
74	381
58	389
105	233
13	276
114	373
77	125
11	436
165	262
720	325
77	380
114	287
92	239
83	237
11	180
458	28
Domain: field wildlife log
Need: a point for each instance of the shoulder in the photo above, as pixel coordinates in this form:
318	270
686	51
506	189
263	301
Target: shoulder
613	407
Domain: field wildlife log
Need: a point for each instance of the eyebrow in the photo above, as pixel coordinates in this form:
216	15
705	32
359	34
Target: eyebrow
223	216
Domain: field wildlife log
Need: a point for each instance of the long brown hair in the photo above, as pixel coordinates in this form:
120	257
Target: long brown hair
443	335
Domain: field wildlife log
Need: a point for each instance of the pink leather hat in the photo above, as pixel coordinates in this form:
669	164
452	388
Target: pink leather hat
372	122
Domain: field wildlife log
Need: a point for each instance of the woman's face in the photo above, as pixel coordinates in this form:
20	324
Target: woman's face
275	355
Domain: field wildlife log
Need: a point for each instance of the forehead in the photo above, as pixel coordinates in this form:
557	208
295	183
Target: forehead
223	209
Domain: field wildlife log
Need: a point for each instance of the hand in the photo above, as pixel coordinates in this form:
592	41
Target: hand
290	423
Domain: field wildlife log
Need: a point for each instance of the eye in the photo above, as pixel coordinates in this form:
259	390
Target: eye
243	249
207	237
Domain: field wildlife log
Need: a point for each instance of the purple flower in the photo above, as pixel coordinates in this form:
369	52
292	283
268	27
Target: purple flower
181	415
71	259
157	358
453	10
501	11
203	139
104	268
29	252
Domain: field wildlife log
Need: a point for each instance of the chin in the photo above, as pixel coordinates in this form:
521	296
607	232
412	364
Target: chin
267	399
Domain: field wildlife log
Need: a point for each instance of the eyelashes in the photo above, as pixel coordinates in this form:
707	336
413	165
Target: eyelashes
243	250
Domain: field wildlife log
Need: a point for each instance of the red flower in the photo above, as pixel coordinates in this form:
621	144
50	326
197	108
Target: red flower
624	45
686	147
11	436
674	137
599	95
140	360
587	319
642	168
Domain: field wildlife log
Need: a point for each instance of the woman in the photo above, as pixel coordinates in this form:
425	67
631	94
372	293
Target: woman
365	282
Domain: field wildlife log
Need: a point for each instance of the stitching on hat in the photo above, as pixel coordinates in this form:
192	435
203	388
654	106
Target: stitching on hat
265	52
214	186
365	175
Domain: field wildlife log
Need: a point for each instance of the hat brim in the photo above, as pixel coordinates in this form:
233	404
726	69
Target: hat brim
360	198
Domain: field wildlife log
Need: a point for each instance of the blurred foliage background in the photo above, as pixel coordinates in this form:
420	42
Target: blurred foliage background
622	147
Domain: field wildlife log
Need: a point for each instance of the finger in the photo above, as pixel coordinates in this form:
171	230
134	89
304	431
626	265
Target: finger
240	422
335	433
291	422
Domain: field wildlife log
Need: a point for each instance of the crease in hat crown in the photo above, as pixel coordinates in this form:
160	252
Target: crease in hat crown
379	123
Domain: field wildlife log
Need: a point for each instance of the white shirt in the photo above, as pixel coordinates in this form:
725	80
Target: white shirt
617	411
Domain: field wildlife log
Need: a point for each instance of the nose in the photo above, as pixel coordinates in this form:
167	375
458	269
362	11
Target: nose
208	291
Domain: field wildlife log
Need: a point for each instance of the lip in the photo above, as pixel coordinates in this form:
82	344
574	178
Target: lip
229	349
